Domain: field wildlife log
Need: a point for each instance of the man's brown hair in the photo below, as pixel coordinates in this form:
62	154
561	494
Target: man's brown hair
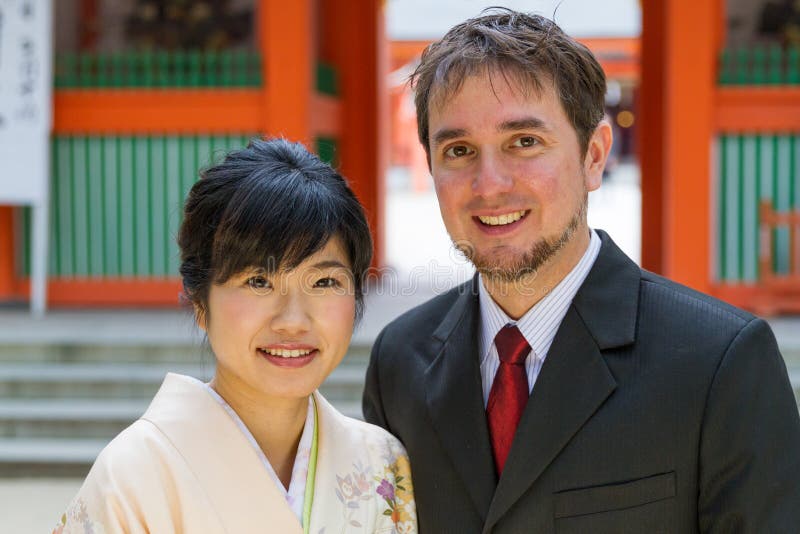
525	49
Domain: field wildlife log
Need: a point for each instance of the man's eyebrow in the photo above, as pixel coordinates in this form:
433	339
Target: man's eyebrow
446	134
530	123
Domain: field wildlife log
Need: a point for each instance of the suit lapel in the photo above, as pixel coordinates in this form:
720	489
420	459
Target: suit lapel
573	383
455	401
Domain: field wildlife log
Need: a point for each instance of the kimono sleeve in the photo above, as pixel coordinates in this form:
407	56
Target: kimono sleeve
125	491
395	488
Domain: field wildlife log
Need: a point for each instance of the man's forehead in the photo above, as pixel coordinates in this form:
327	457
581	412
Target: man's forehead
491	81
524	99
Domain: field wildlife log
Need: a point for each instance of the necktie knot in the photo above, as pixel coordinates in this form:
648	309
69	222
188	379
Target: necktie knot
512	348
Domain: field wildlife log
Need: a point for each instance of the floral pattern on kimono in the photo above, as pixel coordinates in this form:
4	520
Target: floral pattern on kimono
77	515
391	484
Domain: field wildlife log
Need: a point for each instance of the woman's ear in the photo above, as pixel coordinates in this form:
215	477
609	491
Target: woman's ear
200	317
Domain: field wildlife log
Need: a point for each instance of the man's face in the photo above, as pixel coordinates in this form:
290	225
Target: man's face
511	179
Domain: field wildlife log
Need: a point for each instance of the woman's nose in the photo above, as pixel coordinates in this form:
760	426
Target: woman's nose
291	317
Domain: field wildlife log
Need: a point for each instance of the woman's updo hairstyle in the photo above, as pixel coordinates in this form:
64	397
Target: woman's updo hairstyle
270	206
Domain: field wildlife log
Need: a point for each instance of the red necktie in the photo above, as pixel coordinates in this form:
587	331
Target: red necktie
509	392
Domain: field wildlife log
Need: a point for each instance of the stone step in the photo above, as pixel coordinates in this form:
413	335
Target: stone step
90	380
794	378
180	354
51	456
791	355
140	336
126	380
48	456
86	418
787	332
100	419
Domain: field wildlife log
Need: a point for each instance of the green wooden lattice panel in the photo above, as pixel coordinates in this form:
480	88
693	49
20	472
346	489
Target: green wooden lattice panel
752	168
191	69
760	65
116	202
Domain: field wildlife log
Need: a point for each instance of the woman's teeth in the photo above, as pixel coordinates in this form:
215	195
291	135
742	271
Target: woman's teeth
506	218
286	353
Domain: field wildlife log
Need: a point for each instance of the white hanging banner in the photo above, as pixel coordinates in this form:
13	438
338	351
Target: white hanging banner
25	100
26	58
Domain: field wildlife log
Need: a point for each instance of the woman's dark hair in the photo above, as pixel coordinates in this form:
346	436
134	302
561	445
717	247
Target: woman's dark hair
270	206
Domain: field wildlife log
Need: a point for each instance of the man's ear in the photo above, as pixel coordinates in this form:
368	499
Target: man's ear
597	154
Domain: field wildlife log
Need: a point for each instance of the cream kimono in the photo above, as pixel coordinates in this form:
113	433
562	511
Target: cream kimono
185	466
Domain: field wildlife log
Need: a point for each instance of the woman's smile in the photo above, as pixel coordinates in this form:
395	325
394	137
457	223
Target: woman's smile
289	356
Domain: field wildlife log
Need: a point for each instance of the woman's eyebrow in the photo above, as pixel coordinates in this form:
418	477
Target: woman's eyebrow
330	264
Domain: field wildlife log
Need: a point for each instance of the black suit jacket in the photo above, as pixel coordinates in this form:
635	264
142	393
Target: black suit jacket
658	409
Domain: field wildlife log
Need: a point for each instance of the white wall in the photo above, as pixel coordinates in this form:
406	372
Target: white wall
430	19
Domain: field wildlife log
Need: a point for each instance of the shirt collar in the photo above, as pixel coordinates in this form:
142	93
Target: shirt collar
540	323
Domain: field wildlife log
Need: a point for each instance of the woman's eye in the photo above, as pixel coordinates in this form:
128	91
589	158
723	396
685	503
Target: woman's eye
458	151
258	283
327	282
526	141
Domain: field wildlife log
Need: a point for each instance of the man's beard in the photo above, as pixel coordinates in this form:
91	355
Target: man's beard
529	263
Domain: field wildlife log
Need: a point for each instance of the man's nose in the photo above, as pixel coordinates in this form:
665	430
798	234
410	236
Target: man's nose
492	177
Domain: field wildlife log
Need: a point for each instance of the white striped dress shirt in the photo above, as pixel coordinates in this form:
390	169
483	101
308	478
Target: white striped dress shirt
539	324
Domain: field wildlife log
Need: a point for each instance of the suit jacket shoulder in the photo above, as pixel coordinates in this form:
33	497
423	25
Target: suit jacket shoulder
689	298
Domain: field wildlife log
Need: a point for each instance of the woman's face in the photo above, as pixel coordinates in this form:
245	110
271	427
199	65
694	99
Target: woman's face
280	335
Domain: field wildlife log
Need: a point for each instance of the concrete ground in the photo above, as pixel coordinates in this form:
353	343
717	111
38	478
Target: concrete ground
34	506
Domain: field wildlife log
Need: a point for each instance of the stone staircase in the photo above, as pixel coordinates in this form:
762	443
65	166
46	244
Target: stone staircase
787	332
64	396
72	382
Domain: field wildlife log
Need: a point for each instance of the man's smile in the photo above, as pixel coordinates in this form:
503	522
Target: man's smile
500	220
500	224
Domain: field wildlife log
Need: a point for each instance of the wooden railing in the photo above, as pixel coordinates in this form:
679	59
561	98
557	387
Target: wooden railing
757	125
783	286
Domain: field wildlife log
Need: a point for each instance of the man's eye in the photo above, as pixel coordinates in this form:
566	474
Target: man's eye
458	151
327	282
526	141
259	283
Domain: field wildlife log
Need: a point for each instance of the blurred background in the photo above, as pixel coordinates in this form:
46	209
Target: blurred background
703	184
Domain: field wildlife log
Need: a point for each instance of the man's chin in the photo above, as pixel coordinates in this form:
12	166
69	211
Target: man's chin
503	265
505	271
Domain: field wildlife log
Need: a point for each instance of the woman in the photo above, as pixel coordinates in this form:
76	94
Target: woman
274	246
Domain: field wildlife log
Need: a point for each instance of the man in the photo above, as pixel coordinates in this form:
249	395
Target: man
564	389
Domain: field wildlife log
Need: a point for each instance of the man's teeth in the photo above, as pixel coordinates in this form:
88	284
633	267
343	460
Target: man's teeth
286	353
506	218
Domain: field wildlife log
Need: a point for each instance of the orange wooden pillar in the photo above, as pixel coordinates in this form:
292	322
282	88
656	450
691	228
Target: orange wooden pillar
6	253
651	121
678	82
89	25
352	38
286	40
